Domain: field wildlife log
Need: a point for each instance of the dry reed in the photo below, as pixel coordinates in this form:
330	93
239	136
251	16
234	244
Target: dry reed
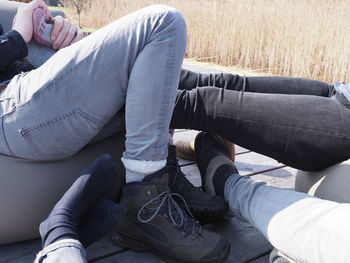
306	38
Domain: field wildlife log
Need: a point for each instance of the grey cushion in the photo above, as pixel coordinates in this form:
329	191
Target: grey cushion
29	189
332	183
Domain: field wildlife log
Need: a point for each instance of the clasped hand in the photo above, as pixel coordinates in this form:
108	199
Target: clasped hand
64	33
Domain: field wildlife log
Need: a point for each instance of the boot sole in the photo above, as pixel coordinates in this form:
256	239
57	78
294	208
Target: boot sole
125	241
129	243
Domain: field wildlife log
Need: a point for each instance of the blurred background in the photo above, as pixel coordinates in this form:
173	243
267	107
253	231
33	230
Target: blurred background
304	38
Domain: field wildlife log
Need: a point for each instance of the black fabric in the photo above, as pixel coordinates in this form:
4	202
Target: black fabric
96	181
12	51
289	119
221	176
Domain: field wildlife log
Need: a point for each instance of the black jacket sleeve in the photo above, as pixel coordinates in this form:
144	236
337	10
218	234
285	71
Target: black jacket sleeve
12	48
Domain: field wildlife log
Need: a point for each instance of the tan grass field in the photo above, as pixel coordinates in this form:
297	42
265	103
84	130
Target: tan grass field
306	38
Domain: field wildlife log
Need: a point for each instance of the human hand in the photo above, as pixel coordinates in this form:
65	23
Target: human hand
23	21
64	33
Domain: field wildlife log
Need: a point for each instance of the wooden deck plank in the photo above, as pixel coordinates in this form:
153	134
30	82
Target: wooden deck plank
102	249
284	177
247	243
22	252
131	256
252	163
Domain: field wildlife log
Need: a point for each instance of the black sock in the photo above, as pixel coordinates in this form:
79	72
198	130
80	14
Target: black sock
220	177
95	182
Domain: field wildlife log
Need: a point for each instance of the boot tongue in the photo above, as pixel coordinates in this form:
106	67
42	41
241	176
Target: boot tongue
160	179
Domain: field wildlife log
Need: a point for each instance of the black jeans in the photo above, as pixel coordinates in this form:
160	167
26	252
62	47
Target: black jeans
295	121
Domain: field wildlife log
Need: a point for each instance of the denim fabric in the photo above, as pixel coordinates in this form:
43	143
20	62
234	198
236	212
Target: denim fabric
55	110
292	120
304	228
39	54
62	251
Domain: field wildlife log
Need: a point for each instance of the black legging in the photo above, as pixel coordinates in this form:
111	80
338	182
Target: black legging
295	121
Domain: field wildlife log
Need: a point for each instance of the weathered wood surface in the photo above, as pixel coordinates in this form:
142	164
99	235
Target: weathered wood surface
248	245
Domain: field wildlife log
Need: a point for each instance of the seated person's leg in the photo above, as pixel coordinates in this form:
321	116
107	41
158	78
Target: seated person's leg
267	84
305	132
81	217
304	228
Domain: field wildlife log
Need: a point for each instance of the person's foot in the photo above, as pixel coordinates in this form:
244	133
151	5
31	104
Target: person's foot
186	150
206	208
82	198
153	221
99	222
42	29
214	162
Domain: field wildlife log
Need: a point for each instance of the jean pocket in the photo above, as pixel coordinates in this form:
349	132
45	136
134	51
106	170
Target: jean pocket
61	136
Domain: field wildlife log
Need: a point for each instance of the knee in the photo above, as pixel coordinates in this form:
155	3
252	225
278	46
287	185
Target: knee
170	15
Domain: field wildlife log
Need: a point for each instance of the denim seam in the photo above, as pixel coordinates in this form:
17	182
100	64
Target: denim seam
165	92
25	131
3	130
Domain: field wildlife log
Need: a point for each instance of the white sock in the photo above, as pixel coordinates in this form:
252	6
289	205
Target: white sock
136	170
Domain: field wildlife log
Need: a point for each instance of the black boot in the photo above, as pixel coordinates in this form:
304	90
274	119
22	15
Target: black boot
206	208
153	221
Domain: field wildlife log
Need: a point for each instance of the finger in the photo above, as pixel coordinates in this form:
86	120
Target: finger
70	36
79	36
62	35
37	3
58	22
48	13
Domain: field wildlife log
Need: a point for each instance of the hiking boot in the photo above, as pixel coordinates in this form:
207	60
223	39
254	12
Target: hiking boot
186	150
212	154
153	221
206	208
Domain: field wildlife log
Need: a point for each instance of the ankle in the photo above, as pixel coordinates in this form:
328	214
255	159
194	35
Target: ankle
221	175
136	170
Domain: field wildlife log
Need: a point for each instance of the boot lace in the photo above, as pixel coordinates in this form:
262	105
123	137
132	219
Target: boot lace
182	220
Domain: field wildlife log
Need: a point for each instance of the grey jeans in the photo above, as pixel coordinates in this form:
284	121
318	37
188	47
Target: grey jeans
55	110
